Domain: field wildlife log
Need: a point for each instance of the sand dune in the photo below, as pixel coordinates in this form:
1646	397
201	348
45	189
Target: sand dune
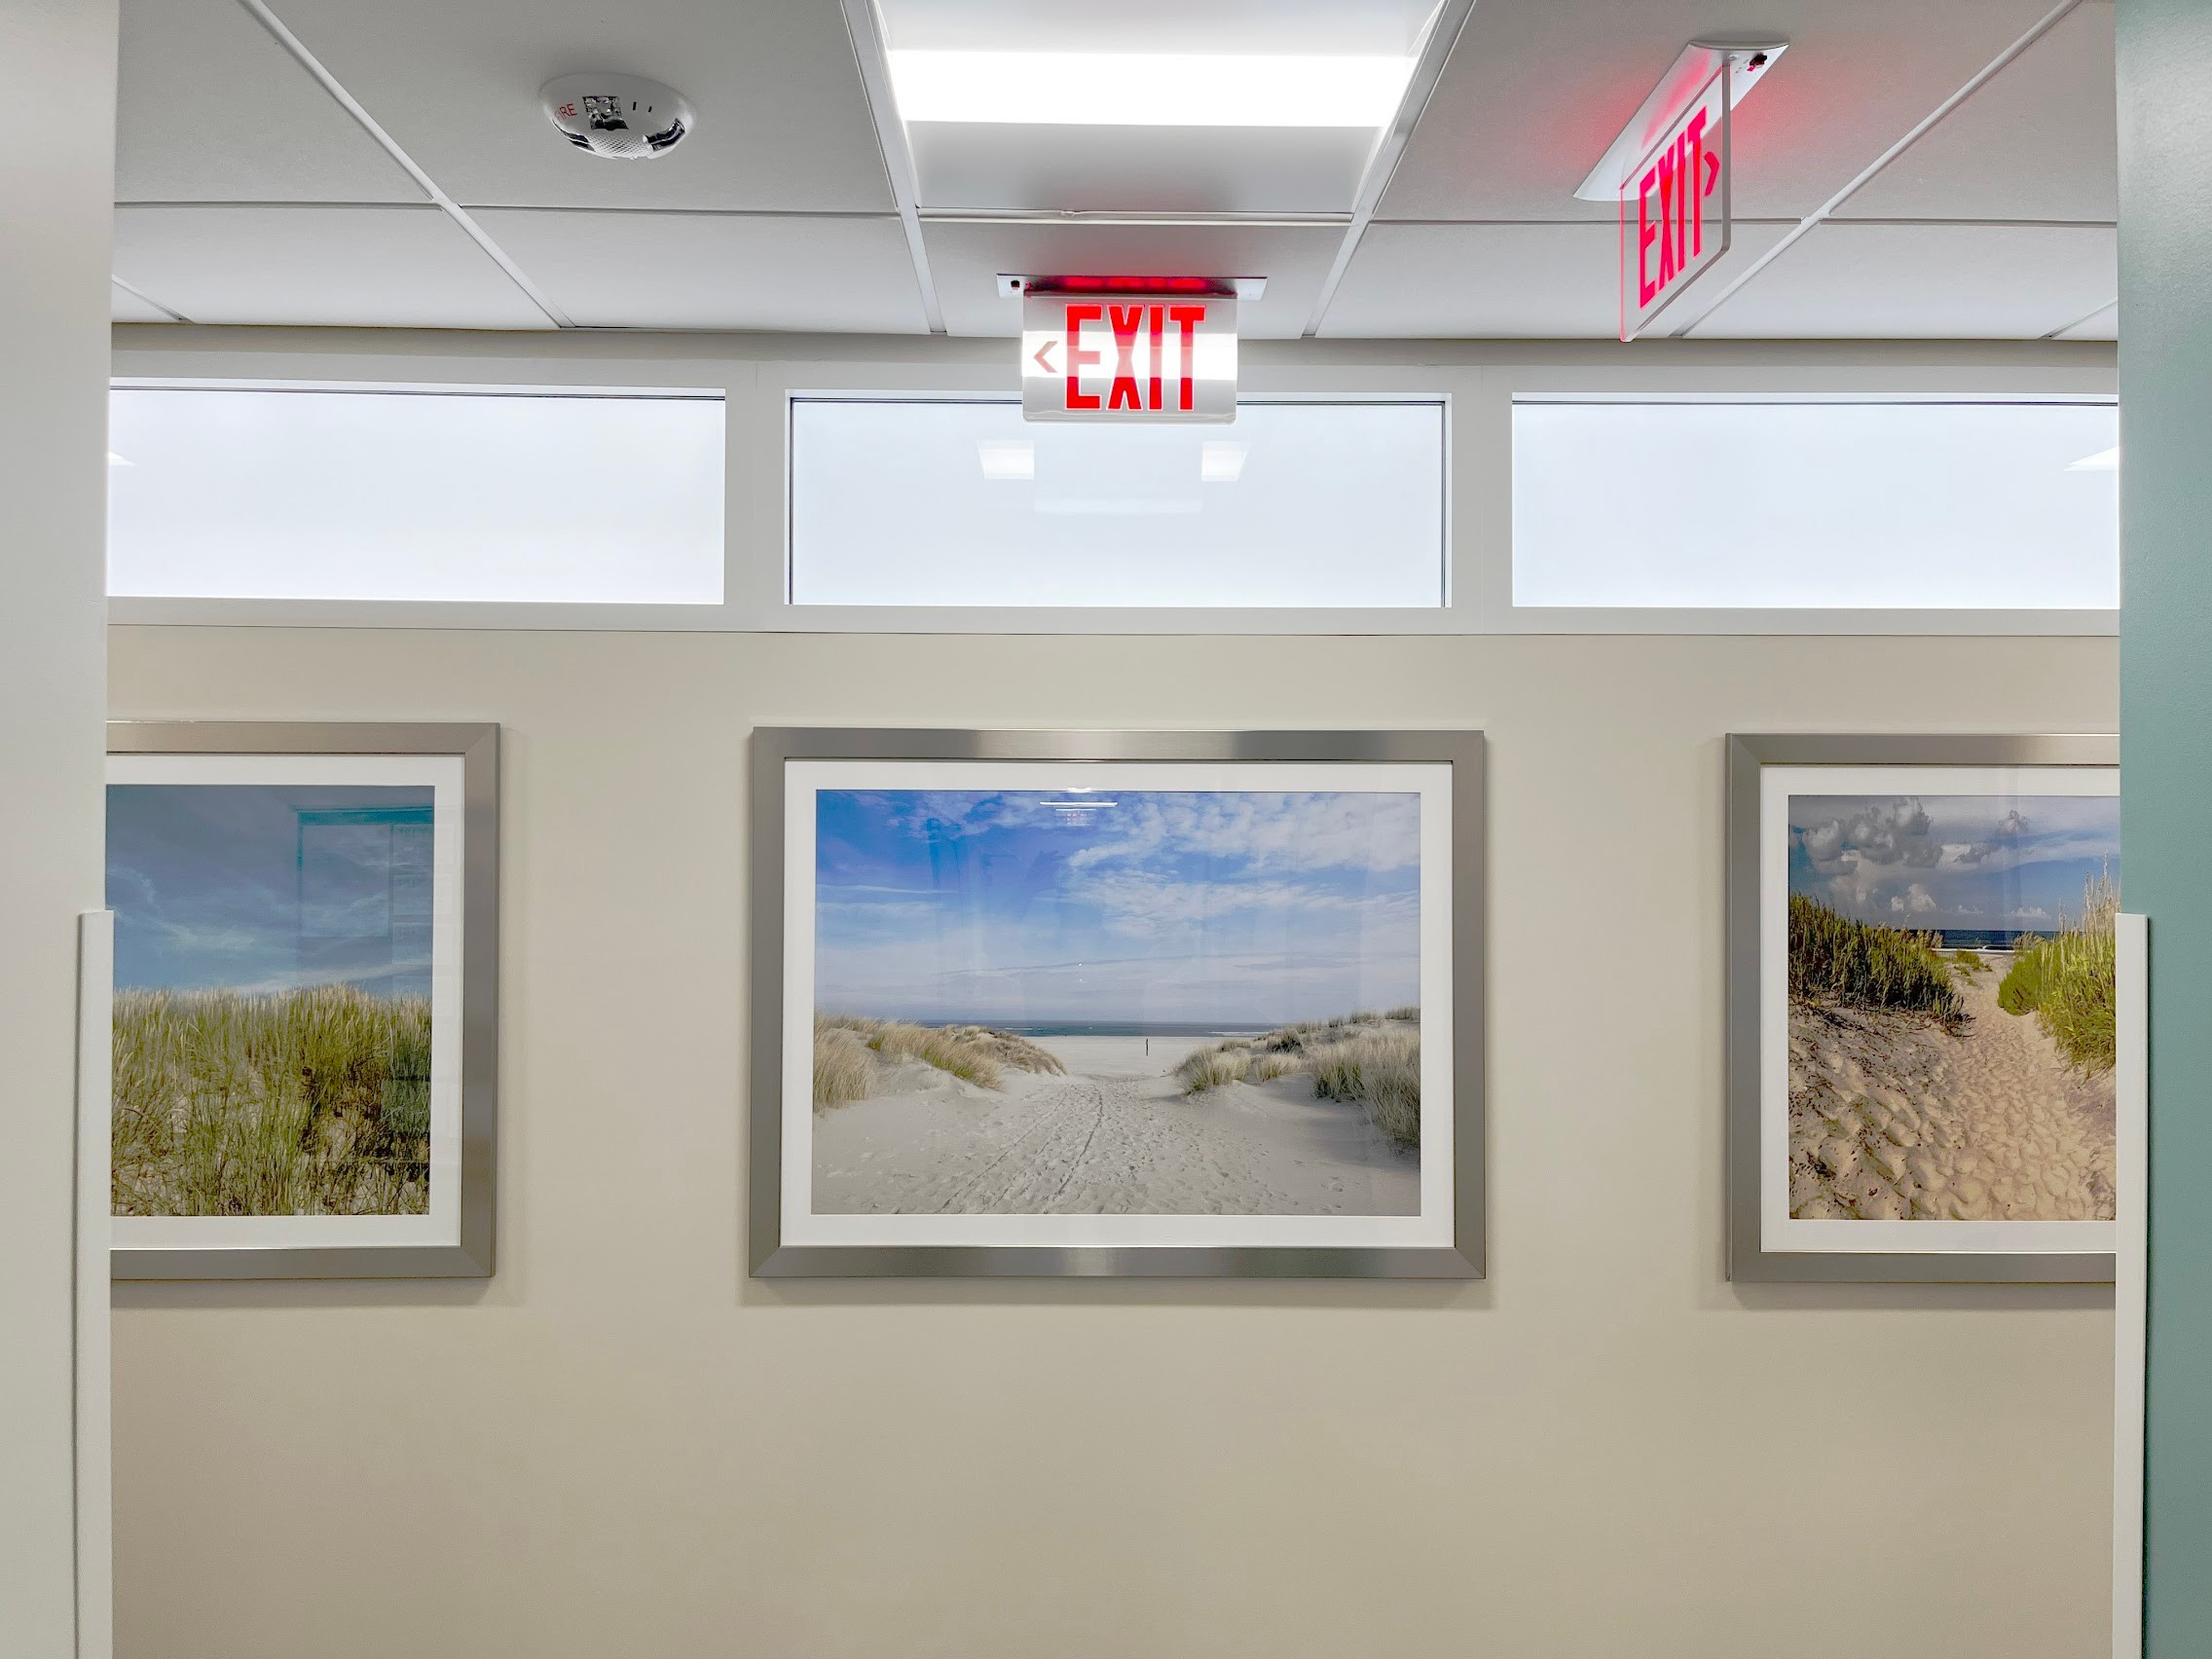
1115	1136
1892	1117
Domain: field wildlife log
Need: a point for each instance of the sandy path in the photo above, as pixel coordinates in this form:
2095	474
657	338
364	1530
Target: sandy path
1106	1142
1890	1117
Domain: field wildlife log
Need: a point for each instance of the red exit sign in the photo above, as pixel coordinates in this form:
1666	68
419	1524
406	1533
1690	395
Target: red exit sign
1674	207
1128	357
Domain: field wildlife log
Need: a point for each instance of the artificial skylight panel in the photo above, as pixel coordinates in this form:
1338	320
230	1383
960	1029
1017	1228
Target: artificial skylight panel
1153	107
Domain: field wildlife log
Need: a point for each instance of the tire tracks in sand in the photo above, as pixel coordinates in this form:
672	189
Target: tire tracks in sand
1106	1140
1108	1145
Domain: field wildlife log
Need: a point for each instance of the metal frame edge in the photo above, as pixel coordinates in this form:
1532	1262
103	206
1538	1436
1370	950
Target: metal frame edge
477	744
1466	1258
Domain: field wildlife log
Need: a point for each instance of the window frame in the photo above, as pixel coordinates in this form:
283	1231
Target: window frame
758	377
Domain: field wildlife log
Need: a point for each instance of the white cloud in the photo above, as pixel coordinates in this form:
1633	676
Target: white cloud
1137	900
1956	860
1880	833
215	939
1161	905
1374	832
306	980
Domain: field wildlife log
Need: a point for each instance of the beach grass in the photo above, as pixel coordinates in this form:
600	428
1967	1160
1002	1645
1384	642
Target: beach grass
842	1068
1380	1069
1834	959
846	1045
1409	1013
1005	1048
313	1103
1210	1068
1368	1059
2069	981
1970	960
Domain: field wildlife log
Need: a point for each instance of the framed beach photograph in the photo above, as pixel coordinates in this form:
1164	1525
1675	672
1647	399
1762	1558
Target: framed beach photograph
306	998
1117	1003
1922	1008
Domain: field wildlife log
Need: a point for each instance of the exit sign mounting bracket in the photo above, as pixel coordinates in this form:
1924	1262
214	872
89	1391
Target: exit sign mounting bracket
1014	287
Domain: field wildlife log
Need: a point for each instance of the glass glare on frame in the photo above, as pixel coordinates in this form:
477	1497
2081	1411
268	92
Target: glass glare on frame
942	501
1953	505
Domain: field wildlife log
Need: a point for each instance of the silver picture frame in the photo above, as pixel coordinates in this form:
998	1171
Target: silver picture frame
1748	1256
477	747
775	747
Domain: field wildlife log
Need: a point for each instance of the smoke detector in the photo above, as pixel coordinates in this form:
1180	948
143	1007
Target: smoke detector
625	118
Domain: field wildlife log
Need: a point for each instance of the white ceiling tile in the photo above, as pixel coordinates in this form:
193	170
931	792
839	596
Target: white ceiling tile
1162	169
1536	90
1495	281
360	267
210	108
716	271
783	120
1846	280
965	261
125	307
2038	141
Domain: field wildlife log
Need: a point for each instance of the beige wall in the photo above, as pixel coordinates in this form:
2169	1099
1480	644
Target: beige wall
622	1446
57	228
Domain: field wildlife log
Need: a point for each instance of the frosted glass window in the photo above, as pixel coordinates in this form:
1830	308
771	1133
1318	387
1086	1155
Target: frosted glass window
249	494
937	501
1955	505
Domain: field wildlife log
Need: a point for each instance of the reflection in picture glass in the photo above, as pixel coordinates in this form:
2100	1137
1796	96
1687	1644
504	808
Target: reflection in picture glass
273	975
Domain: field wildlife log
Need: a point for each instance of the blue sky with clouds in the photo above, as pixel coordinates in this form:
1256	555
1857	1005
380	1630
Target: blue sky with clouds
2000	862
1141	906
268	887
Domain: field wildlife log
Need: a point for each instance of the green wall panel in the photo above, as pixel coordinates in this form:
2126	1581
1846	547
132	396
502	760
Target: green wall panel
2165	380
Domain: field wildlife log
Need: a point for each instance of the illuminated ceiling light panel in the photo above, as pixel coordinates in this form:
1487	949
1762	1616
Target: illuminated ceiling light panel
1104	88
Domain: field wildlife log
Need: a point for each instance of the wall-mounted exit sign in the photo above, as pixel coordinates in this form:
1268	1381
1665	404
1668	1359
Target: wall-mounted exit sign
1675	207
1672	171
1128	356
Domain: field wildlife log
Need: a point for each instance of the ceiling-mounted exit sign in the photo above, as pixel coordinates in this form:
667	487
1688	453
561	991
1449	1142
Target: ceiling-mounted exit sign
1675	207
1150	351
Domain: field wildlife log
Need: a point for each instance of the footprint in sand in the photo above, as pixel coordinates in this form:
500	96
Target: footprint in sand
1892	1115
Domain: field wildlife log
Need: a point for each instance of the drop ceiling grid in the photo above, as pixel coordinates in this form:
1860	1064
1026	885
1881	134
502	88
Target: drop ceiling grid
1943	267
838	196
2047	39
845	196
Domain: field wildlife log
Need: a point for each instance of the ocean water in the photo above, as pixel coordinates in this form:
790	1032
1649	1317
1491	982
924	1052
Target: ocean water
1114	1028
1984	939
